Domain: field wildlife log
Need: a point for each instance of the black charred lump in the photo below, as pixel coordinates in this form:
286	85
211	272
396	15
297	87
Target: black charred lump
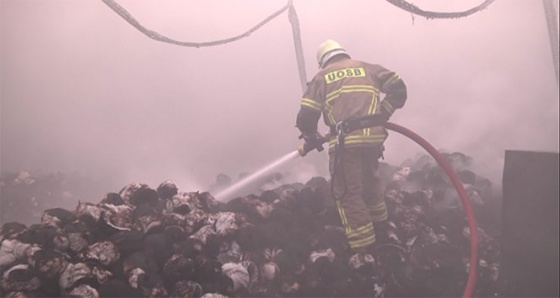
113	199
283	242
167	189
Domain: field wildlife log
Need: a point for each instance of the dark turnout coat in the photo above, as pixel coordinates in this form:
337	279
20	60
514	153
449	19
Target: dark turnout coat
349	89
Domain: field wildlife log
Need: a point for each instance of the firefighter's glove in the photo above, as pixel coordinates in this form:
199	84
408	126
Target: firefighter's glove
312	141
384	116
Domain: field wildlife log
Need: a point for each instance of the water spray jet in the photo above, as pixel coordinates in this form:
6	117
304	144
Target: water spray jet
224	195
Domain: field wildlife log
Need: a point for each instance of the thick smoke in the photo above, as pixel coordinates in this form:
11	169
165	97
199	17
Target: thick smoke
82	90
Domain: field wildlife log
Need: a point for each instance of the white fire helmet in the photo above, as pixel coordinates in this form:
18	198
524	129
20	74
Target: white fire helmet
328	49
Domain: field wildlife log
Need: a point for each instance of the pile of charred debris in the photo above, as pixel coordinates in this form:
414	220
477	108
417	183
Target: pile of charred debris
285	242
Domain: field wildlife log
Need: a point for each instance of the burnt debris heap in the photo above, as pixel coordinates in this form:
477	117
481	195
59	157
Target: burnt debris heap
285	242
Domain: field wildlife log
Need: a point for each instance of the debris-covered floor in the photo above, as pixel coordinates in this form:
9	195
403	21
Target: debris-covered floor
285	242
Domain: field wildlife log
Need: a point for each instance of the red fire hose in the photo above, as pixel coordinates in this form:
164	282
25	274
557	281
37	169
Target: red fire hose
471	281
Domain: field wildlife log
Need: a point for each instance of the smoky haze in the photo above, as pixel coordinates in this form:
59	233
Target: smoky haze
82	90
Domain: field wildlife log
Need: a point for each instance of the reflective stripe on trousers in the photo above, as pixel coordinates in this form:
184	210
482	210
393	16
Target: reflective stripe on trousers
360	193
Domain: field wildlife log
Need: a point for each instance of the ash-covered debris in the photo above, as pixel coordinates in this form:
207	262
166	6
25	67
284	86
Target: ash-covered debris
284	242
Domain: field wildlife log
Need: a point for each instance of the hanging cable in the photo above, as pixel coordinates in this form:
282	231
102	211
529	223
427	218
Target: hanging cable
403	4
156	36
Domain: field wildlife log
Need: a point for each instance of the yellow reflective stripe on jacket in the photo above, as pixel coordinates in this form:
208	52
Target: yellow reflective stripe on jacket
350	89
371	110
311	104
329	115
359	139
387	105
390	81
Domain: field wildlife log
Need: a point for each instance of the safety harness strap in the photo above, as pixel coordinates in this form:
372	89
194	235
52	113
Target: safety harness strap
345	127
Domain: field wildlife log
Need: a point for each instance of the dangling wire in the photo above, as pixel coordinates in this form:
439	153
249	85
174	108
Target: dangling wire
403	4
156	36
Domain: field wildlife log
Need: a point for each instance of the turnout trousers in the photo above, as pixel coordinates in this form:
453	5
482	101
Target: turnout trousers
358	193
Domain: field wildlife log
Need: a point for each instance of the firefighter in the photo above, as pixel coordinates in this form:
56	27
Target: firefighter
347	93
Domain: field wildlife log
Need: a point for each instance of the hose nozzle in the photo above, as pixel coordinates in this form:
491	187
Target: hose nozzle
311	143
